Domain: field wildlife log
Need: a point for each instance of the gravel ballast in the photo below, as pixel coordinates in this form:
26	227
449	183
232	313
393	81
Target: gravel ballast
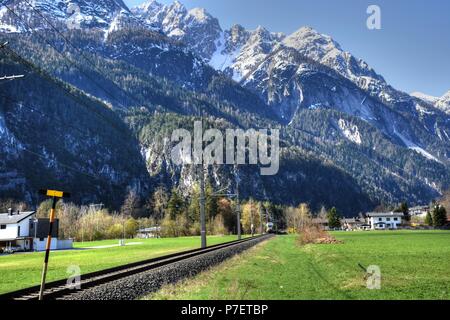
136	286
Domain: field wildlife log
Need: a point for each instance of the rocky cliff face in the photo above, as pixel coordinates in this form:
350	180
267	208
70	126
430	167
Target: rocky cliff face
346	133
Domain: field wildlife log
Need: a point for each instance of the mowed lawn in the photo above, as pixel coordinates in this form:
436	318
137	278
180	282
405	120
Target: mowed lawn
19	271
414	265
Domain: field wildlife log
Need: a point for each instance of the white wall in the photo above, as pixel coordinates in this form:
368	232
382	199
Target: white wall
65	244
25	228
56	244
12	230
394	224
40	245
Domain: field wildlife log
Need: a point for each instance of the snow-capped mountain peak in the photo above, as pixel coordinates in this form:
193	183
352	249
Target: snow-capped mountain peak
147	7
312	43
442	103
92	14
323	49
200	15
425	97
195	27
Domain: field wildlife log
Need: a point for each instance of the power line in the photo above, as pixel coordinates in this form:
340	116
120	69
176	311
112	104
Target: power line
68	60
61	85
96	177
11	77
66	124
59	163
83	55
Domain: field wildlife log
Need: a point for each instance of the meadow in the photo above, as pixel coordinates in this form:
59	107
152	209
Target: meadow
22	270
413	264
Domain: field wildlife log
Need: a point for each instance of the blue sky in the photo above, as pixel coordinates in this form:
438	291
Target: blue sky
412	50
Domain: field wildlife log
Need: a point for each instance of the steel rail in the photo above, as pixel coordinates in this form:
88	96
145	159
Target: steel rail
60	288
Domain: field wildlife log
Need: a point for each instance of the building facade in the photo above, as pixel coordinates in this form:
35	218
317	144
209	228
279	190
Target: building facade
22	231
385	221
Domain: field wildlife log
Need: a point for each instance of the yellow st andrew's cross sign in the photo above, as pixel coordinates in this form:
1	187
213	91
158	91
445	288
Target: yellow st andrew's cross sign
55	195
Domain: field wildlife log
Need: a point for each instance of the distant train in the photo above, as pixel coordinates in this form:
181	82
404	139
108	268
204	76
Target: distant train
270	227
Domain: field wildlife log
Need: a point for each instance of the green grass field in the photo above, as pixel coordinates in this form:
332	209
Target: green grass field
414	265
19	271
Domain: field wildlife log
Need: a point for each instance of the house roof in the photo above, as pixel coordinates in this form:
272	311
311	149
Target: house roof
6	218
153	229
385	214
320	221
419	208
352	220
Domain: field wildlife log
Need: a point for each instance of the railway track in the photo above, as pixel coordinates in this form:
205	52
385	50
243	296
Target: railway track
59	290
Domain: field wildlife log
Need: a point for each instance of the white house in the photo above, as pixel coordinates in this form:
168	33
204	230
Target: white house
420	211
22	231
385	221
147	233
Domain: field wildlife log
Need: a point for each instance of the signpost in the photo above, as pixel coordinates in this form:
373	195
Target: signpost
55	195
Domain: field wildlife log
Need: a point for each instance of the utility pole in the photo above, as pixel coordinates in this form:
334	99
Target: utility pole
252	225
238	207
202	206
260	219
202	188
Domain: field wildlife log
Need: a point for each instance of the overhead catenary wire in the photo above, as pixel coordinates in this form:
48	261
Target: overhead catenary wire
84	56
66	124
96	177
62	86
69	63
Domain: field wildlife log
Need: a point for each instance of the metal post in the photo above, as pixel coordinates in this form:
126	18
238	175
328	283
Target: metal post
47	249
202	207
252	226
260	220
238	205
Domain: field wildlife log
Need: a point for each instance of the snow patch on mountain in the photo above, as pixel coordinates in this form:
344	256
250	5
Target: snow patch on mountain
350	131
425	97
196	27
9	146
444	103
99	14
412	146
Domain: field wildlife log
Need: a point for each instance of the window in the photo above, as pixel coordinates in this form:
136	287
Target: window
395	219
388	219
3	227
380	219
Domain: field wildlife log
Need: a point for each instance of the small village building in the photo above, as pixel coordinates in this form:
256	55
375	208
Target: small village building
22	231
419	211
323	223
385	221
354	224
148	233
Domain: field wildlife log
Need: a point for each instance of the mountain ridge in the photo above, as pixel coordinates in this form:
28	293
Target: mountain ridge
337	116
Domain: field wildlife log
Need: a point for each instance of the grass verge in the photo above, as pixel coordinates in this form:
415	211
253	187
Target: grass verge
23	270
414	265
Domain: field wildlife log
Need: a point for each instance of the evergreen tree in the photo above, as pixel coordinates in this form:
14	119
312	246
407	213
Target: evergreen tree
211	205
175	207
403	208
439	216
334	221
429	220
194	205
